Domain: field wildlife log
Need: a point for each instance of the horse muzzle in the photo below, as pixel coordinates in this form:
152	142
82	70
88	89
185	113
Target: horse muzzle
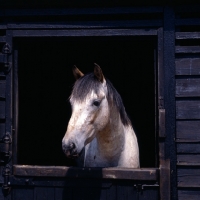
70	150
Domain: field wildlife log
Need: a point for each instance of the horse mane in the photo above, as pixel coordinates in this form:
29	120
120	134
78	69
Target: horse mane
89	82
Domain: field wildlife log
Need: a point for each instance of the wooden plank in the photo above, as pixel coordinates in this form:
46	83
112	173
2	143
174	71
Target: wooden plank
2	89
106	173
86	193
3	38
125	191
162	123
188	87
2	58
82	11
188	109
89	24
187	66
62	193
83	32
2	197
19	193
187	49
112	193
60	182
185	159
188	130
167	166
44	193
149	194
2	109
2	129
188	148
188	177
187	21
189	194
187	35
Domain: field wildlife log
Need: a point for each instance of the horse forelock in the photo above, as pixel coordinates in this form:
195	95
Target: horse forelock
84	86
89	83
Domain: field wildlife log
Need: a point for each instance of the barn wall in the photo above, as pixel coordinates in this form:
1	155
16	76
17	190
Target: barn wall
187	67
186	61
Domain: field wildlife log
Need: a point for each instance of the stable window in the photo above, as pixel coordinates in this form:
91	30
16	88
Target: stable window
45	81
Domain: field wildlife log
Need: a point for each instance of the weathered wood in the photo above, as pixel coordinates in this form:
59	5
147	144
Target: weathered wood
111	192
126	191
2	109
93	32
162	123
106	173
188	148
168	164
2	58
149	194
188	177
188	109
186	21
37	181
90	24
189	194
20	193
187	35
62	193
183	9
187	66
188	130
189	87
2	129
165	179
187	49
185	159
2	38
44	193
81	11
88	193
2	89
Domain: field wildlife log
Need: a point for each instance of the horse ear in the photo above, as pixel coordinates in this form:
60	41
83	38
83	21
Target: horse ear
77	73
98	73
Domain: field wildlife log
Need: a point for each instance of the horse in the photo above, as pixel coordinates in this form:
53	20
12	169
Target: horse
99	131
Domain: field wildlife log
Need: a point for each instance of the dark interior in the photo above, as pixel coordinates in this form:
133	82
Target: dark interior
46	80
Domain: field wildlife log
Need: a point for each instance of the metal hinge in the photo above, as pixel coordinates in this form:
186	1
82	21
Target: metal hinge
6	185
6	50
5	153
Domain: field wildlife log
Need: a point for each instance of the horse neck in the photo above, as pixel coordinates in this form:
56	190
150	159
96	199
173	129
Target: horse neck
111	138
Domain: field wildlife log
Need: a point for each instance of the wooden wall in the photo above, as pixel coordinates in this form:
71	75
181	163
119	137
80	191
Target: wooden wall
187	62
187	139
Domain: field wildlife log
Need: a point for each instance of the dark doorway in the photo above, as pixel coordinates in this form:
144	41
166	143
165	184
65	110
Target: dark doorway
46	80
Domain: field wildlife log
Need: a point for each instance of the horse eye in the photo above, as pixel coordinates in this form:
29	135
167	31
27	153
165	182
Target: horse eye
96	103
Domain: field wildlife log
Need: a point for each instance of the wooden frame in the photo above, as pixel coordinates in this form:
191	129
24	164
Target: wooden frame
166	119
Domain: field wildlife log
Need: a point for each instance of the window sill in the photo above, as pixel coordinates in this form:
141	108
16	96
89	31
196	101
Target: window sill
150	174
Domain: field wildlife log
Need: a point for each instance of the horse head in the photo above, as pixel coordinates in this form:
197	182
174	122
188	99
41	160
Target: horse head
90	111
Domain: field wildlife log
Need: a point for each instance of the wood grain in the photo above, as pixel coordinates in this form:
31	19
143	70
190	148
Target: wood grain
188	87
188	130
188	177
188	148
107	173
187	66
188	109
187	49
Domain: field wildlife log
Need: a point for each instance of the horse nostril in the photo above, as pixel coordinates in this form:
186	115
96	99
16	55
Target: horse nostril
72	146
70	149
